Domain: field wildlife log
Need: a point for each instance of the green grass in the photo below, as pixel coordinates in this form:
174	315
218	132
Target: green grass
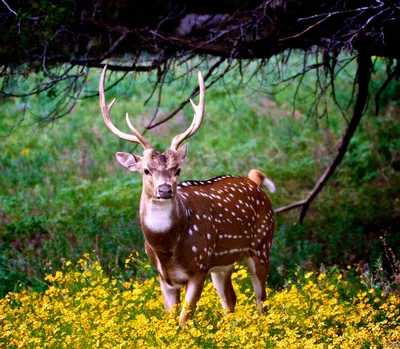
62	193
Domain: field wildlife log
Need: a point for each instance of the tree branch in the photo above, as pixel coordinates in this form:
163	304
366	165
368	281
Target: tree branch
363	77
393	73
193	94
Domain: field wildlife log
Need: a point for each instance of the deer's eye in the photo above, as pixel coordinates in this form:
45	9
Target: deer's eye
146	171
178	172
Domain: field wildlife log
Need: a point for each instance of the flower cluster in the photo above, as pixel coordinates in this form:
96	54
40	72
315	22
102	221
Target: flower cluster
83	308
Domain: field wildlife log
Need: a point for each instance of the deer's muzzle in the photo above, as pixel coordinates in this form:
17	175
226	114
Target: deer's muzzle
164	191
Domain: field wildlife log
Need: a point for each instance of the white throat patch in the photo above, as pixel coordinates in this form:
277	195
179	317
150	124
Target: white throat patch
158	215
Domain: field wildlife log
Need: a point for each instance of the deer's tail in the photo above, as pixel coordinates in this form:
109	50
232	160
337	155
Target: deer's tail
261	179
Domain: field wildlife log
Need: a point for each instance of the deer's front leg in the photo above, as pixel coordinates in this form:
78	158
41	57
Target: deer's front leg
171	294
193	292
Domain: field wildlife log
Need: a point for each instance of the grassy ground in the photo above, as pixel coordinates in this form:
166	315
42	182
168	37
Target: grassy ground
63	195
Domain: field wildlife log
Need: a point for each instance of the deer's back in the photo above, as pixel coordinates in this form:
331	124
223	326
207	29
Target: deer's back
228	217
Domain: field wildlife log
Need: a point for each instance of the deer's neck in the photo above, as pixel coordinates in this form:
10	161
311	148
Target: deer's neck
161	221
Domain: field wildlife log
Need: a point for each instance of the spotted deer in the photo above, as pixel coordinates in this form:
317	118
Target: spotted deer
195	227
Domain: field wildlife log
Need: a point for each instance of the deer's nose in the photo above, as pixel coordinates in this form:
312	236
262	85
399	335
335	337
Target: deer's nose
164	191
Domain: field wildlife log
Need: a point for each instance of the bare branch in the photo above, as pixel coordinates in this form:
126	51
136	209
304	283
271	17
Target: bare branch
363	78
395	72
307	29
9	8
193	94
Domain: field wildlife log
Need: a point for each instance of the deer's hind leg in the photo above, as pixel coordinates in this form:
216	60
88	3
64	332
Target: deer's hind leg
221	278
258	275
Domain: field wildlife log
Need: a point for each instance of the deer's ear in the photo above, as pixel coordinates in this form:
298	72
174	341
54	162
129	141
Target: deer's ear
129	161
182	151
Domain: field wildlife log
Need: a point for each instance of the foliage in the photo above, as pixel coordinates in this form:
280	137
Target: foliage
84	308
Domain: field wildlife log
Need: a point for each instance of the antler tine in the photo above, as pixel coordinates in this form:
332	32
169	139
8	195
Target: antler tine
140	137
198	117
105	110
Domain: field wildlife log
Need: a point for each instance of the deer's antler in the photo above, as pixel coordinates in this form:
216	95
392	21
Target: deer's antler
198	117
105	110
